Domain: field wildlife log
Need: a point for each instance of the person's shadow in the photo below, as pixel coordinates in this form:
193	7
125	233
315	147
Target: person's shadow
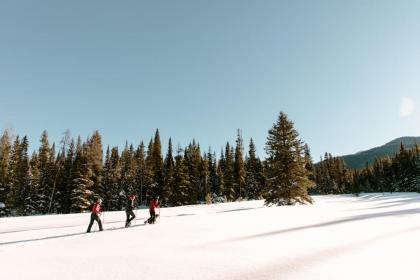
63	235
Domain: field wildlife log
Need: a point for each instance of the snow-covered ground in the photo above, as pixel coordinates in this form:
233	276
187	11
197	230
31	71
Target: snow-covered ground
374	236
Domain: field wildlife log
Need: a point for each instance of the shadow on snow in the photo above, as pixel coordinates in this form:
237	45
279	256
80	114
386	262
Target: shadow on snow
326	224
64	235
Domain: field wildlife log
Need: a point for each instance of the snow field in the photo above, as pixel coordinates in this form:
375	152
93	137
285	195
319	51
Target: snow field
374	236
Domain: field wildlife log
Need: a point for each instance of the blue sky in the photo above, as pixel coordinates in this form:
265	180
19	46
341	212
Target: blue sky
346	72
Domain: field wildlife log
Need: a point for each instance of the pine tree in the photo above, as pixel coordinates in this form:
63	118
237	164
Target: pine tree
45	186
154	165
5	149
81	189
149	185
402	168
220	197
142	179
330	170
62	181
356	189
308	162
94	156
180	195
228	174
221	167
127	184
415	180
111	180
24	178
205	185
19	187
320	173
14	183
168	171
59	184
387	174
53	172
192	157
239	171
254	183
31	203
287	178
105	189
66	184
214	180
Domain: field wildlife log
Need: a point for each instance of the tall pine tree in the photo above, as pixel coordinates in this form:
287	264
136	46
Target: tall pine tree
239	172
228	174
142	178
94	156
168	173
45	182
254	174
287	177
182	184
82	184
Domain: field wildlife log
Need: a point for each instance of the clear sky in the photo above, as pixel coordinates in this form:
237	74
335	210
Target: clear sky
346	72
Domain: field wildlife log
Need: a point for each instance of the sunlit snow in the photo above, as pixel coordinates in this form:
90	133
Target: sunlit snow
374	236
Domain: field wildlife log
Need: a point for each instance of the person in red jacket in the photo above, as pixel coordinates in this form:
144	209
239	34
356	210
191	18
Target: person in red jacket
154	203
94	216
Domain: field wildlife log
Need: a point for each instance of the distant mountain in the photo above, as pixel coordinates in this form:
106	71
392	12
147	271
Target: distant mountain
360	159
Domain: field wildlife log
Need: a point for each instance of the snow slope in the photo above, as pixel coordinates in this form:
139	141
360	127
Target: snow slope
373	236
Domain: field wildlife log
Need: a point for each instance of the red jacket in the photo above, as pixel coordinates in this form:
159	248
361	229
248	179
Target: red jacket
96	208
153	204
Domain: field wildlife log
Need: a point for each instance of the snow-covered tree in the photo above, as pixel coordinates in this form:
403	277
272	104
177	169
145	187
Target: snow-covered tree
82	184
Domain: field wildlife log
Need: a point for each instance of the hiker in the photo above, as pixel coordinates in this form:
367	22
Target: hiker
94	216
154	203
129	210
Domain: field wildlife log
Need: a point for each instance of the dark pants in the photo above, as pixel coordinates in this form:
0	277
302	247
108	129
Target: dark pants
130	216
152	218
94	217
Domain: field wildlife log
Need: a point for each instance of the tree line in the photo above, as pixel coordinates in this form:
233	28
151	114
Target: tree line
69	177
396	173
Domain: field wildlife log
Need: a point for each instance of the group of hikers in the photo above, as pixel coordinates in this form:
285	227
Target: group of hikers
97	212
